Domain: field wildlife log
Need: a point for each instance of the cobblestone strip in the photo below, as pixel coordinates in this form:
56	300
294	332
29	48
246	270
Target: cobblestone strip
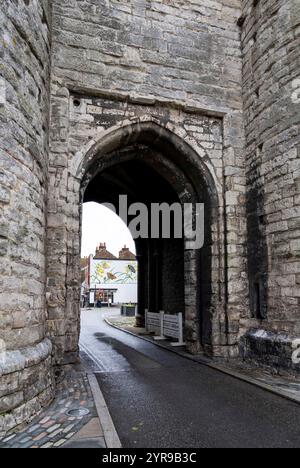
54	427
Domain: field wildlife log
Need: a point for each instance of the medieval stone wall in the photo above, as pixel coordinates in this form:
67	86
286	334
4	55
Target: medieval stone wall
178	50
25	368
271	48
163	54
177	65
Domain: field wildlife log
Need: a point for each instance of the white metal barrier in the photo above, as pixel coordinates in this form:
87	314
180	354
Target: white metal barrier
165	326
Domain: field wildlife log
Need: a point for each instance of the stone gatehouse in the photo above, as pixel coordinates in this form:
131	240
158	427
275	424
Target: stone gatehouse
197	101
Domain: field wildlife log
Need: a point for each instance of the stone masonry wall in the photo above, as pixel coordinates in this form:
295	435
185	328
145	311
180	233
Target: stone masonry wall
271	45
170	53
174	49
116	62
271	49
25	353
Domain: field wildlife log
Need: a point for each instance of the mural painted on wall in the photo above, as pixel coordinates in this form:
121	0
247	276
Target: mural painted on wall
114	272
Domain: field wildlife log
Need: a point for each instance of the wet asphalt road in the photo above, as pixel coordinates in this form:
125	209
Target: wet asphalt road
160	400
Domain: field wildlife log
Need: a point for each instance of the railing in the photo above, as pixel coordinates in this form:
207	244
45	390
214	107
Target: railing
165	326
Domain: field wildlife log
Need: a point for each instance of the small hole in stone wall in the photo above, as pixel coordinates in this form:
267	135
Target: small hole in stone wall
241	21
27	2
254	37
255	3
76	103
257	92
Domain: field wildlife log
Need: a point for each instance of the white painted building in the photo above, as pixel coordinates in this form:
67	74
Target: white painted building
112	281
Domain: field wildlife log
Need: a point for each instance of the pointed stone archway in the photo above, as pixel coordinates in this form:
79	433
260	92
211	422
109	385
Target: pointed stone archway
165	153
146	151
152	147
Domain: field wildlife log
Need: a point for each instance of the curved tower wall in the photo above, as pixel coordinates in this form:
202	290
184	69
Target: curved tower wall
25	359
271	92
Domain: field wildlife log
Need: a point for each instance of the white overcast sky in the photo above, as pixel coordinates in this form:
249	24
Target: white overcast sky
102	225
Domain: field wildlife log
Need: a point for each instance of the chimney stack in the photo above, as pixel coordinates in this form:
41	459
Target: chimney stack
102	253
125	254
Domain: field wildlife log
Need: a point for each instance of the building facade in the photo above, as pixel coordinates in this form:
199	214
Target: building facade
189	101
111	281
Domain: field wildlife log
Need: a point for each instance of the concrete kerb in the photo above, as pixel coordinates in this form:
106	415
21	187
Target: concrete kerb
110	433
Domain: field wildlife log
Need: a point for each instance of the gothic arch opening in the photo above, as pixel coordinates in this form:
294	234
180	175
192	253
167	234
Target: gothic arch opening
150	164
108	262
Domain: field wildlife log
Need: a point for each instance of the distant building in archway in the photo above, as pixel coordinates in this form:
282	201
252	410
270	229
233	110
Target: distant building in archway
110	280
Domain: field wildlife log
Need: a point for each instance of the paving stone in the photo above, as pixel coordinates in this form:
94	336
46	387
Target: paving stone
47	446
40	437
68	428
55	434
53	428
86	443
48	424
91	430
45	420
33	428
60	443
10	438
25	440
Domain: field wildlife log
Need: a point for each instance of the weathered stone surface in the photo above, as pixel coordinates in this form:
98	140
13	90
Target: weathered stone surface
178	65
24	120
219	78
270	41
269	349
